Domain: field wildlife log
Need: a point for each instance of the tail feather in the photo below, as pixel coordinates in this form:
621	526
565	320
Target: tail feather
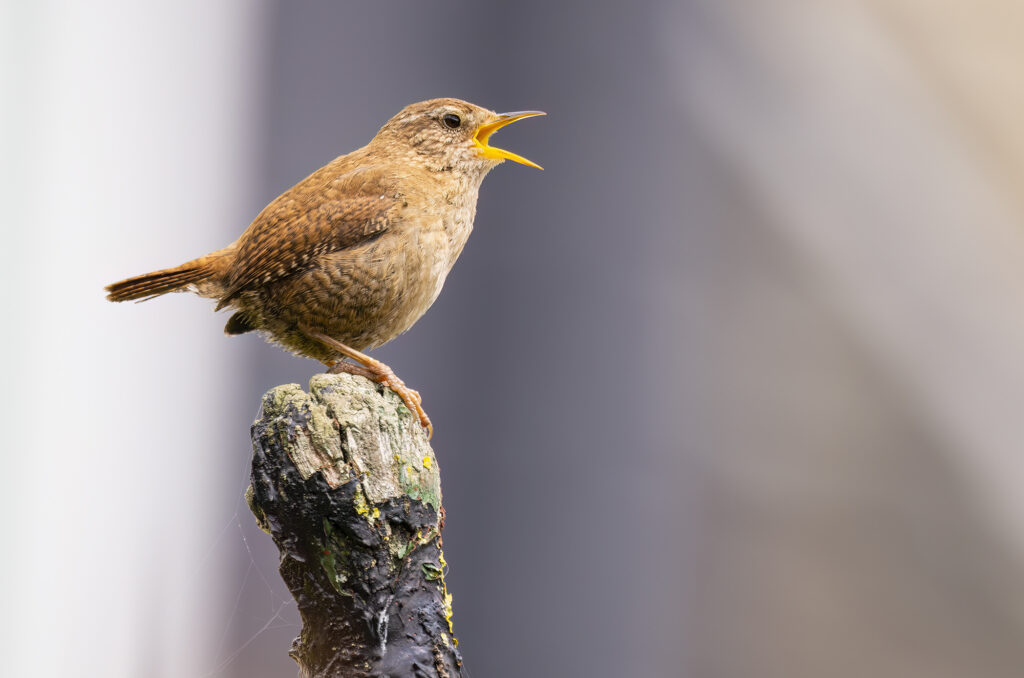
154	284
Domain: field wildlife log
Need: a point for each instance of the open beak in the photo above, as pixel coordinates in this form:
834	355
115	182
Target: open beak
484	132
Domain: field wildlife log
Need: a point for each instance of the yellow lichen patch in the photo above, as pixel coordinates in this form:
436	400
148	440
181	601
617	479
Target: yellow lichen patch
447	596
447	607
427	462
363	507
359	501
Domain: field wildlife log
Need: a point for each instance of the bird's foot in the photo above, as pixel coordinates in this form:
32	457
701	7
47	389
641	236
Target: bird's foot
372	369
415	396
377	371
410	397
344	366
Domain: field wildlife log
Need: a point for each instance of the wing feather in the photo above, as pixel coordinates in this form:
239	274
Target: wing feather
308	222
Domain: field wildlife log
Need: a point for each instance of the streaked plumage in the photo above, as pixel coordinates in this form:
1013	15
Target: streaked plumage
358	250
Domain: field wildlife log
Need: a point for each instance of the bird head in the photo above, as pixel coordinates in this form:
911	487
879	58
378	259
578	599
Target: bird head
451	134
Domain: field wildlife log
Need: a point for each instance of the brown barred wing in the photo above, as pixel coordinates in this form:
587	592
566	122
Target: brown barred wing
292	233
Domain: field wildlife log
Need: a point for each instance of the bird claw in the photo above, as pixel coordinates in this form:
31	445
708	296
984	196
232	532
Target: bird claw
376	371
414	402
411	398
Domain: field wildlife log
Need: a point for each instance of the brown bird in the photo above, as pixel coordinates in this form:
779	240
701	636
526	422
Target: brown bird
354	254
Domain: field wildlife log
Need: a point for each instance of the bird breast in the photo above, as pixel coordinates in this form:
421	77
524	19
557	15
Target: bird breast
413	271
439	247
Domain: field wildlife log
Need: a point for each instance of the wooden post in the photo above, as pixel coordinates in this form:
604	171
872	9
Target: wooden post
344	480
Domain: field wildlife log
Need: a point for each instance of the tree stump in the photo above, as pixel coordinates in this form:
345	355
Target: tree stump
345	482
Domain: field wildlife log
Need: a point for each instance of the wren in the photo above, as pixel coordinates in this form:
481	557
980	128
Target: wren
354	254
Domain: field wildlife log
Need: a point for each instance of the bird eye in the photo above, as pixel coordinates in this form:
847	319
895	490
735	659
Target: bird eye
451	121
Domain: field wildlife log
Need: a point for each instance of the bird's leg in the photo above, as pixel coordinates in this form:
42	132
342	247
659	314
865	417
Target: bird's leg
374	370
339	366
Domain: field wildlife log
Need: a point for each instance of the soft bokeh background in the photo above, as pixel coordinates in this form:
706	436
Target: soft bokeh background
734	388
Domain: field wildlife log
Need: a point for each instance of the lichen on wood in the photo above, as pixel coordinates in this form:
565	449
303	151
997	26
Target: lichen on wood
344	480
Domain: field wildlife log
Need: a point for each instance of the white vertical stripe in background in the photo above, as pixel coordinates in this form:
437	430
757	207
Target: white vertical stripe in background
125	133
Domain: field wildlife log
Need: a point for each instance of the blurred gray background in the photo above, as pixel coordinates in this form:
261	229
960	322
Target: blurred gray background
732	388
